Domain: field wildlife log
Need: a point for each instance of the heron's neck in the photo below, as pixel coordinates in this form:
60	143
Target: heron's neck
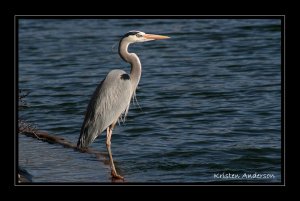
133	59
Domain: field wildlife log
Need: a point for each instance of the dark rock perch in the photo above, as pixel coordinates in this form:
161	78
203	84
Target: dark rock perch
24	176
53	139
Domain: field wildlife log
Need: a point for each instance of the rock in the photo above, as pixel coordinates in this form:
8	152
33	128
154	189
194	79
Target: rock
24	176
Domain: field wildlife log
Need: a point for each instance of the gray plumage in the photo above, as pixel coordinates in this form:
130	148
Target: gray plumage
110	99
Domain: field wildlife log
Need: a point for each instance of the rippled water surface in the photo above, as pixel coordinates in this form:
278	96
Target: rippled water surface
210	99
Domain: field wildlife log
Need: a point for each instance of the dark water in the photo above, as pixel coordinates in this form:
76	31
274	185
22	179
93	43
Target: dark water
210	99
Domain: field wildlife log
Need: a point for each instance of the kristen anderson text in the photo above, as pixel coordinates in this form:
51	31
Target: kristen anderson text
243	176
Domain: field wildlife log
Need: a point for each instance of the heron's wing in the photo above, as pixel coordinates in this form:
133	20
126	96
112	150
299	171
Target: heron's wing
109	101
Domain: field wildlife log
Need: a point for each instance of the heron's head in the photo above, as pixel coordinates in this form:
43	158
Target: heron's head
138	36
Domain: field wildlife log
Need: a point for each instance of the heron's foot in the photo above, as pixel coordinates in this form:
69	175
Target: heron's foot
116	176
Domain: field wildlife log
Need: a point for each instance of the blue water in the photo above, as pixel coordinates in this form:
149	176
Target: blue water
209	99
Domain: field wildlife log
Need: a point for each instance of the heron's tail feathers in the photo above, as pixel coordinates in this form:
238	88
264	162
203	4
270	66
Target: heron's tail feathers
81	144
86	138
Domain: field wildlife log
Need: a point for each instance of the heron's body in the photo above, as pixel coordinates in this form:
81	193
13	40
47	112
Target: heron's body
112	97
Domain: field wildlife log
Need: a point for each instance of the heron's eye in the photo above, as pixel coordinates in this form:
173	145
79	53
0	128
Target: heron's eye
138	35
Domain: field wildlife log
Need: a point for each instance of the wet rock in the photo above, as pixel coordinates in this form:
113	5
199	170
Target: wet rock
24	176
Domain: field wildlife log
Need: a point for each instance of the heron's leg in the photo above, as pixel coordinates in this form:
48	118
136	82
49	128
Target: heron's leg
108	145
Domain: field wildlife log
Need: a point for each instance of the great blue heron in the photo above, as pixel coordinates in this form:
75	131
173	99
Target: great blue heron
111	98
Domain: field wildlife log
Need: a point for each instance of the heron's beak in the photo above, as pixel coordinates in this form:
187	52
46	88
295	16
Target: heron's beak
155	37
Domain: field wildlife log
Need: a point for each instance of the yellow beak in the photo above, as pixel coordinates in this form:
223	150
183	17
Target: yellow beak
155	37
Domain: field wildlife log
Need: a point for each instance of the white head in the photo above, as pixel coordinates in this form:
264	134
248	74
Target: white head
139	36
